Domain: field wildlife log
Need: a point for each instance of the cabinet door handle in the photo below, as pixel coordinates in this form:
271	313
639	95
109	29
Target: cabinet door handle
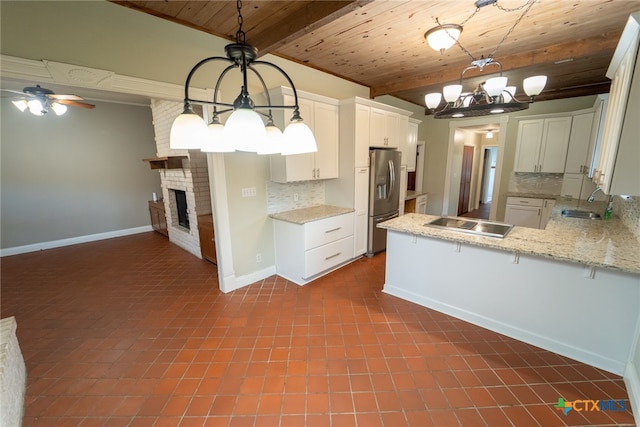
332	230
318	173
313	173
332	256
539	212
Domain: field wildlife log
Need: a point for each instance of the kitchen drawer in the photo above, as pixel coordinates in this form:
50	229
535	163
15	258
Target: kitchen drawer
321	232
525	201
327	256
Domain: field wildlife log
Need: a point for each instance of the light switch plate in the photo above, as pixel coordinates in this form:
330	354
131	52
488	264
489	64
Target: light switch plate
249	192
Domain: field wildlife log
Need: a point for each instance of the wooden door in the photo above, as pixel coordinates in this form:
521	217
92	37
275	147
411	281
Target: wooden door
465	180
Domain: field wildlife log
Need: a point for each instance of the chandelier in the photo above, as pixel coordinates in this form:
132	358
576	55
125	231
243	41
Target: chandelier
245	129
492	96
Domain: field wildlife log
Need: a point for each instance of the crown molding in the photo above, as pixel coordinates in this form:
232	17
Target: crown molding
46	71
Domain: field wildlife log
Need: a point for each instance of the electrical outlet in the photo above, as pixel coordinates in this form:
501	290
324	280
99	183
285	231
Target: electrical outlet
258	257
295	197
249	192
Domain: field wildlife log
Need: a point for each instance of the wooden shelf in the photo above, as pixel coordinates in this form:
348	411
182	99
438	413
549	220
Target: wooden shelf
170	162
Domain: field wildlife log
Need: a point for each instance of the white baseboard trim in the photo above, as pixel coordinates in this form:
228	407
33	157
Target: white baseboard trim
231	283
547	343
632	381
35	247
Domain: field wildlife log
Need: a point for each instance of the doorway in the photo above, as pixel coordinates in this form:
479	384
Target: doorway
480	198
464	195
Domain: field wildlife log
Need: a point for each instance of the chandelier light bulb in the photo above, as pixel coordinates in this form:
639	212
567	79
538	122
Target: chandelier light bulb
432	100
188	131
298	139
508	93
495	86
274	141
452	92
489	134
215	142
534	85
245	129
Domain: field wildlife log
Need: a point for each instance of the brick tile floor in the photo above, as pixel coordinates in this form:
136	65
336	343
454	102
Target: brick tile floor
133	331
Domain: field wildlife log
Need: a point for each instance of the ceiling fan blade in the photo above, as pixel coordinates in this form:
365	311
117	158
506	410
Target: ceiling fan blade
16	92
75	103
65	97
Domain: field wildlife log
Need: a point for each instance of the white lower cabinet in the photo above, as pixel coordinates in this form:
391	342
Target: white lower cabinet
361	205
528	212
306	251
421	204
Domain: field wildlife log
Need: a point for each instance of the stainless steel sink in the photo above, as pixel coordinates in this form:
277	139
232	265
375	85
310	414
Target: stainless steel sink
472	226
573	213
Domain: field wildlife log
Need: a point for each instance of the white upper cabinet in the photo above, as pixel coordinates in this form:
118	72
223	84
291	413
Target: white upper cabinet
617	169
542	145
321	114
384	128
578	159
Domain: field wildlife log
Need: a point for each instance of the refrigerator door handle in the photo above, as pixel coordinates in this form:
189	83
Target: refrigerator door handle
392	180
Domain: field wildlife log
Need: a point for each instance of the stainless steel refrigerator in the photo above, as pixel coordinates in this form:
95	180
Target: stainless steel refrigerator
384	193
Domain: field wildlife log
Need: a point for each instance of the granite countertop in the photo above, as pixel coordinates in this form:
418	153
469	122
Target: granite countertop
606	243
313	213
534	195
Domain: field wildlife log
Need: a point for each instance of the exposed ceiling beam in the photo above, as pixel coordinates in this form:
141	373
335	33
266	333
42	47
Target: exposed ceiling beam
316	14
547	55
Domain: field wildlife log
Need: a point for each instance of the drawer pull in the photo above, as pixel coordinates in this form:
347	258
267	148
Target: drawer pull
332	230
332	256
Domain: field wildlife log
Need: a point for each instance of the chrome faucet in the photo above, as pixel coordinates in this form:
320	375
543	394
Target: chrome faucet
592	197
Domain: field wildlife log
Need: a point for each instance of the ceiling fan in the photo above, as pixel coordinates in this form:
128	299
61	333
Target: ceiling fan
39	100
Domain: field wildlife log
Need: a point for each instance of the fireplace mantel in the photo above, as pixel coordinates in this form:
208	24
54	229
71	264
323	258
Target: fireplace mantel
169	162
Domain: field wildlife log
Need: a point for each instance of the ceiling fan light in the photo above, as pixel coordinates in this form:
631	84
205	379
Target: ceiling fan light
452	92
36	107
245	130
188	131
59	109
432	100
534	85
495	86
298	139
442	37
21	104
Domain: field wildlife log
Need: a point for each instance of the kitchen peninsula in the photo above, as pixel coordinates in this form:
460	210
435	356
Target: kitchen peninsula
573	288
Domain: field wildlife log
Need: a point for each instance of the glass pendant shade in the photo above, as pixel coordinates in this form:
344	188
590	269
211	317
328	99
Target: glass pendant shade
452	92
495	86
274	141
466	98
508	93
443	37
59	109
21	104
245	129
298	139
215	142
188	131
534	85
432	100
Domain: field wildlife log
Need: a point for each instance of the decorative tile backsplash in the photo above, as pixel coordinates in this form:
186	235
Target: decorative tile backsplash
536	183
294	195
628	210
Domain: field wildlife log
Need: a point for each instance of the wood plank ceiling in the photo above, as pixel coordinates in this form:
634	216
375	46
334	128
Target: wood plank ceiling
380	43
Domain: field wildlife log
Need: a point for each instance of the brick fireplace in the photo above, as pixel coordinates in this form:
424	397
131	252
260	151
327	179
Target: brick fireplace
192	179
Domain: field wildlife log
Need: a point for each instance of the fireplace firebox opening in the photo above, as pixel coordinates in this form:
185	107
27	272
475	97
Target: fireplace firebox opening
181	207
